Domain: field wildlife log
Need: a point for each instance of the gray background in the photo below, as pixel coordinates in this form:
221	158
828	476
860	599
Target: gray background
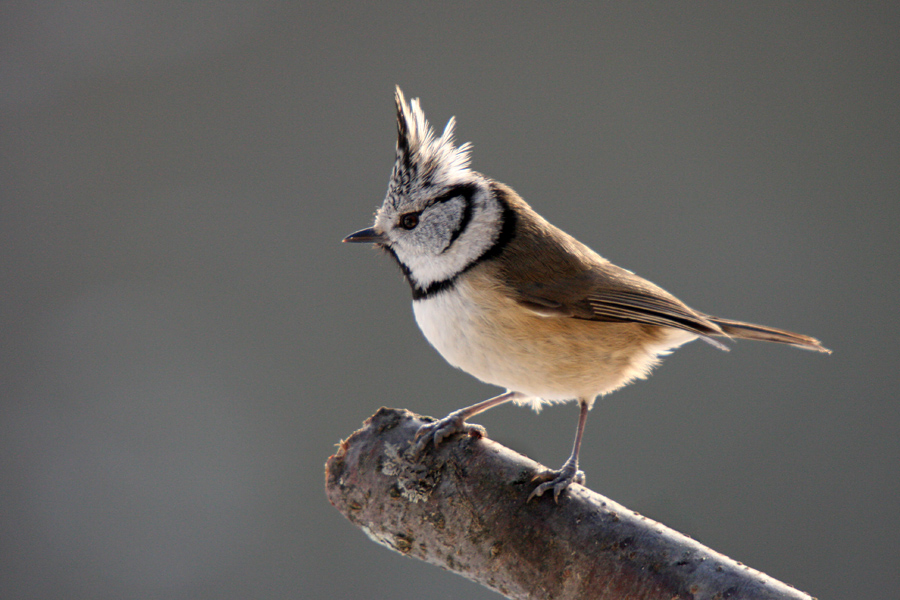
184	338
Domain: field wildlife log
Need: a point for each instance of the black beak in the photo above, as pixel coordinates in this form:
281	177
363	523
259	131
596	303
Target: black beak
366	235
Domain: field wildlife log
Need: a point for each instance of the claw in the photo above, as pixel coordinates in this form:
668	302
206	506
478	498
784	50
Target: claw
557	481
455	422
440	430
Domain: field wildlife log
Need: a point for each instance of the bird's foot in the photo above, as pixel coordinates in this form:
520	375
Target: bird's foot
557	481
437	431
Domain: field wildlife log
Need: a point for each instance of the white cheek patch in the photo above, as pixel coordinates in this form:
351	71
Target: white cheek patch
430	260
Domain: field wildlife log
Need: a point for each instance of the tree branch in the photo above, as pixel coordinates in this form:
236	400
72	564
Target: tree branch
463	507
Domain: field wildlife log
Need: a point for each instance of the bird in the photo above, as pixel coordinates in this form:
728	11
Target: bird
518	303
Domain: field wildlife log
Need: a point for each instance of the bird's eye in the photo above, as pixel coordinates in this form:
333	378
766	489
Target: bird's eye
409	220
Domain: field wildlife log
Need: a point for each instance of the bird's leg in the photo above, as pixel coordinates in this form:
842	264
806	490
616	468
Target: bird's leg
455	422
561	479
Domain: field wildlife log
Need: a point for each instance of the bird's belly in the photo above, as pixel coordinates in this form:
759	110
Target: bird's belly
552	358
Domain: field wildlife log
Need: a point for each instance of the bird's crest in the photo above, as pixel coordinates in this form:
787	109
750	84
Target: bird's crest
424	160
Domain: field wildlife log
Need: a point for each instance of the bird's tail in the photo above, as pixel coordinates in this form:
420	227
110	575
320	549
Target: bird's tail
749	331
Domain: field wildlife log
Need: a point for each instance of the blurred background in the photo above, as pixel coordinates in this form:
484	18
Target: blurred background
184	338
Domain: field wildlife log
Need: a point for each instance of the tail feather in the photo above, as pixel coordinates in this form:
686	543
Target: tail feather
749	331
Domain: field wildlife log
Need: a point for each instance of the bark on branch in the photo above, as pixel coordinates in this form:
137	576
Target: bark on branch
463	507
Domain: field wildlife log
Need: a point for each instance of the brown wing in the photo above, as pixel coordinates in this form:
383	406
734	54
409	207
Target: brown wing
553	274
608	293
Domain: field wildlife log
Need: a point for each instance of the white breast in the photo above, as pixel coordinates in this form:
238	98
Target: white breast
471	335
449	322
465	329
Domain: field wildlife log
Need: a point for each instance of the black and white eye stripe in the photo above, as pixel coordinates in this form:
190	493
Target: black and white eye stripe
466	192
410	220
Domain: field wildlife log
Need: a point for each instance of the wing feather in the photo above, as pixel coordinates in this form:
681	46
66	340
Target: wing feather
554	275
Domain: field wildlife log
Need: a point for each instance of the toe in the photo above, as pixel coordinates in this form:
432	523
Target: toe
437	431
557	481
539	490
